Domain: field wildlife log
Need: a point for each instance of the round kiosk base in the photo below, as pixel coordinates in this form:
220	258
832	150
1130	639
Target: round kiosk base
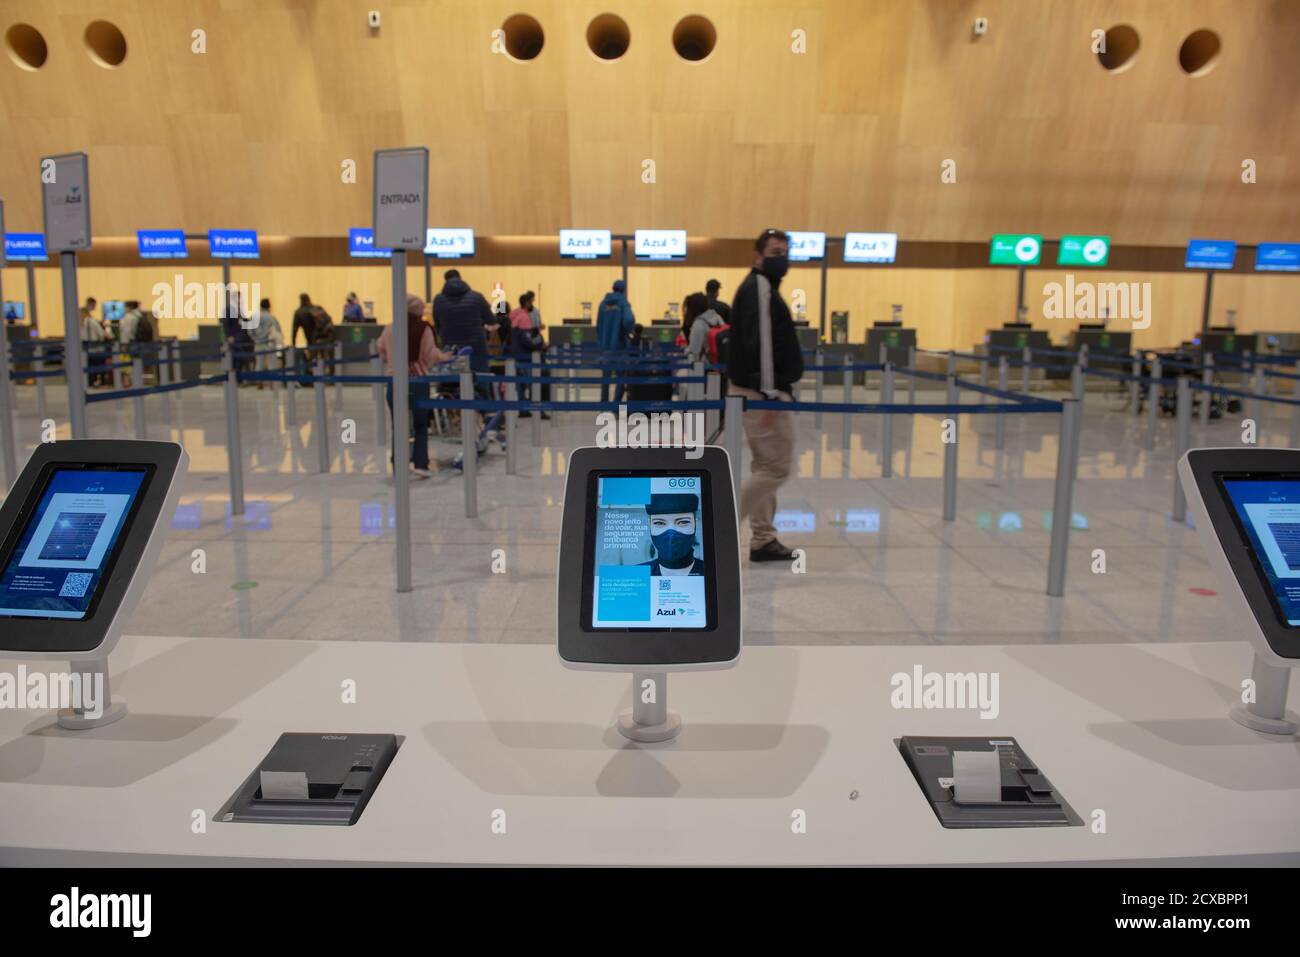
79	721
649	733
1286	725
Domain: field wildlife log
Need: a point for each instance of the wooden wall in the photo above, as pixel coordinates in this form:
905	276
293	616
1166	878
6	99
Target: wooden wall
849	135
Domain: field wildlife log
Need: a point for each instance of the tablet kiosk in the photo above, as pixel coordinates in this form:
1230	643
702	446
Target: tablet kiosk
1246	506
649	572
81	529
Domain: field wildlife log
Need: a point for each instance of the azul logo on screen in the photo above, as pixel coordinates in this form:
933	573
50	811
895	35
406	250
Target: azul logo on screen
805	247
870	247
660	243
449	243
584	243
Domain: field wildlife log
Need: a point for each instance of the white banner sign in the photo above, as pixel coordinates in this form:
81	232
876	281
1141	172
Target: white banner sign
65	194
401	204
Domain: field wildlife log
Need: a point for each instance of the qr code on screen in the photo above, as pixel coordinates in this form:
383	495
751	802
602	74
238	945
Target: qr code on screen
75	585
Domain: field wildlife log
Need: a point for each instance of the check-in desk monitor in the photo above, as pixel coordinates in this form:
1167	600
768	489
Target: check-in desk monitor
81	529
649	571
1245	503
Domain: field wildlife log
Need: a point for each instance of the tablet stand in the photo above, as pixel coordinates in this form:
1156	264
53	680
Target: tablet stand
1268	711
649	722
76	719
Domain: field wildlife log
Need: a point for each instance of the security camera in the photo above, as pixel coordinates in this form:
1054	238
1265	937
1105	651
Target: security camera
373	19
981	26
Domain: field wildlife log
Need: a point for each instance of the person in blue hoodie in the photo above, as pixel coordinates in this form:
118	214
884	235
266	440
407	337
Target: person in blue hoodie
614	322
459	316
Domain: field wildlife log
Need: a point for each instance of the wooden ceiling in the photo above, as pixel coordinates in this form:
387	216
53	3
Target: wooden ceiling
850	135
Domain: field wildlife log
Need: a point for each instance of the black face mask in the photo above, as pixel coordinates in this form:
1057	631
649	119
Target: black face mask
674	549
775	267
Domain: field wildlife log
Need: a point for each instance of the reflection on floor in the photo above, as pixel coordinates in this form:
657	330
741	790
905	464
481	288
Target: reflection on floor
313	557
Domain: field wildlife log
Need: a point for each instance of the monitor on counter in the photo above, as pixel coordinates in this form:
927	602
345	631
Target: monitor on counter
660	244
585	243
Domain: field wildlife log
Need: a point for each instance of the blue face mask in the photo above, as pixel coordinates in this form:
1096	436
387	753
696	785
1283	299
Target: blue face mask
775	267
674	548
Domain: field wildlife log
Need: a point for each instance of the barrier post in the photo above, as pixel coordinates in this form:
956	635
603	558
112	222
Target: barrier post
318	391
7	417
952	363
338	371
39	364
712	392
1000	426
377	393
887	422
469	445
72	368
1134	386
1026	357
401	384
234	450
112	358
1295	411
1207	380
1076	382
512	394
845	418
735	428
696	391
820	381
1067	465
291	370
950	460
1259	388
1183	442
1153	403
911	378
984	371
536	391
137	376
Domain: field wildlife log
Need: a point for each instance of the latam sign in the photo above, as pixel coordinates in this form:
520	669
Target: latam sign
361	244
161	244
232	243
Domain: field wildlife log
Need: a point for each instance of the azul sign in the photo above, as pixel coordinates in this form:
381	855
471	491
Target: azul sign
660	244
807	247
870	247
584	243
232	243
161	244
449	243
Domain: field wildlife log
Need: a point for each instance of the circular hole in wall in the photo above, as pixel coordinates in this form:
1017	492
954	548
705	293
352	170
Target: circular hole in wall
1199	52
694	38
608	36
1122	44
524	36
106	44
26	46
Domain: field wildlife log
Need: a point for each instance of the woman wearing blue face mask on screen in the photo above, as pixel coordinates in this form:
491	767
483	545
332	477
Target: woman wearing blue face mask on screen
673	526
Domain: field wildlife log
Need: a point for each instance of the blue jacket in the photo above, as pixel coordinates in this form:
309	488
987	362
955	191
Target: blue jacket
614	322
459	314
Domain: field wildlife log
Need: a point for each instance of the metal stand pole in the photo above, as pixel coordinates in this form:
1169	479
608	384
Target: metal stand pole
911	379
950	459
291	407
338	371
820	381
735	428
1207	379
234	449
984	371
1000	426
846	420
377	393
696	391
1067	465
401	423
649	721
1182	443
1076	383
137	375
1026	358
318	391
72	359
7	396
537	416
1260	388
469	446
78	719
512	394
1153	403
1134	386
712	392
1268	712
39	364
887	422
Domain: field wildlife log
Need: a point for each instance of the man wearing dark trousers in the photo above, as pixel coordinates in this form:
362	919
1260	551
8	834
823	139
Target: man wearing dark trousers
764	362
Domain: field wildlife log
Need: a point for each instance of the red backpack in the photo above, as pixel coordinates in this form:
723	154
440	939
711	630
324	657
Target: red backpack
718	349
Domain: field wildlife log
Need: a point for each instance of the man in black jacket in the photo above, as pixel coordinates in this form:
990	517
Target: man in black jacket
711	290
459	316
764	362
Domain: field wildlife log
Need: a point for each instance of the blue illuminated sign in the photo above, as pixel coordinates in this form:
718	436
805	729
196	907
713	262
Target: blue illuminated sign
361	244
161	244
1277	257
25	247
232	243
1210	254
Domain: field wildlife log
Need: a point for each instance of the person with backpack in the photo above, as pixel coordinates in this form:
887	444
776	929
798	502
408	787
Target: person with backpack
705	324
614	322
711	289
764	361
460	317
422	353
